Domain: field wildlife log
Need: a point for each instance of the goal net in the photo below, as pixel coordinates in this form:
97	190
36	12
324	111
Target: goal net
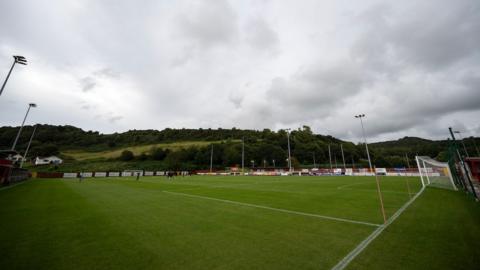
435	173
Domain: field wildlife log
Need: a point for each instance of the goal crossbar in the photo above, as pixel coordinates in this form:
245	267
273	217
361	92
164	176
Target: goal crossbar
435	173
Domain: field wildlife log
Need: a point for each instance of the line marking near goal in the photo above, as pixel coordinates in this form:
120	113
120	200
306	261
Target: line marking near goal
14	185
358	249
276	209
354	184
374	190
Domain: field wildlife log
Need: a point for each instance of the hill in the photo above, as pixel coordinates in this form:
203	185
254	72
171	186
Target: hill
191	148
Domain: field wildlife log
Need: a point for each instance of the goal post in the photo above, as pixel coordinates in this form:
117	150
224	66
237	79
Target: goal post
435	173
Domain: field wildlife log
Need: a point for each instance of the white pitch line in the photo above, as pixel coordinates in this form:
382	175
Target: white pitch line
354	184
358	249
371	190
14	185
275	209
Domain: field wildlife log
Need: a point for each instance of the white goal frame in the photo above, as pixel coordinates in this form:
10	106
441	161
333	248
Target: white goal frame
422	164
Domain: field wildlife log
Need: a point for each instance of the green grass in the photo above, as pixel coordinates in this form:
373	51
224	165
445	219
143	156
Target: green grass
100	166
441	230
156	223
137	150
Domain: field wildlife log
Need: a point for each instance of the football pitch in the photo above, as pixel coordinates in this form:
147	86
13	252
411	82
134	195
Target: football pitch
234	222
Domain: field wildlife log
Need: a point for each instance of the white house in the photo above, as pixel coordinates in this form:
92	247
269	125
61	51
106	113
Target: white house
48	160
17	157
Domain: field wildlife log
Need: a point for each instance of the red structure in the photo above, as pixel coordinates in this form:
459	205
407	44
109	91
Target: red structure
6	167
474	165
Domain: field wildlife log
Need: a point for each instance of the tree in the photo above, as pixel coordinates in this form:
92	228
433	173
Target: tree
45	150
174	160
126	155
142	157
158	153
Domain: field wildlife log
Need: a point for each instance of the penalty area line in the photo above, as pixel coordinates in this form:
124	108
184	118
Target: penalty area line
358	249
13	185
275	209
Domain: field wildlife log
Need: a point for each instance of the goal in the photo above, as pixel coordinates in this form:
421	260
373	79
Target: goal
435	173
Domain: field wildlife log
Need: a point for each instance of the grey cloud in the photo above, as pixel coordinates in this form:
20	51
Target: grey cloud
236	98
209	24
419	39
411	66
87	83
439	41
317	90
106	72
187	54
260	35
114	119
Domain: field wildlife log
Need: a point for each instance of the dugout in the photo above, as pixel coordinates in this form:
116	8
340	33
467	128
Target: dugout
9	171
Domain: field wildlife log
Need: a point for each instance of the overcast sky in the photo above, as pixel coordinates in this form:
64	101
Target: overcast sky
413	67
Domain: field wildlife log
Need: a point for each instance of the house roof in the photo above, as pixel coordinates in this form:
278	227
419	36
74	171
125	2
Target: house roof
6	153
49	157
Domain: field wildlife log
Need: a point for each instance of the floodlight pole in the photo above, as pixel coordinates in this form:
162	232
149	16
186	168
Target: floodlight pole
365	139
289	156
21	127
28	146
17	59
314	163
273	161
343	157
463	143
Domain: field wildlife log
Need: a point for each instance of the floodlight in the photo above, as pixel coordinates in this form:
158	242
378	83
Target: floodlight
17	60
360	116
30	105
20	59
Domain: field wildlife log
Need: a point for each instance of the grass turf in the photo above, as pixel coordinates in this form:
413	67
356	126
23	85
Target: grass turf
137	150
126	224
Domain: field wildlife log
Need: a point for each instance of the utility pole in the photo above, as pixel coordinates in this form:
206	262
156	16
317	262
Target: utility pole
289	156
330	157
211	159
243	155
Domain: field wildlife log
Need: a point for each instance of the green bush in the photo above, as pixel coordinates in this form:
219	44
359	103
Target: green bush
127	155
